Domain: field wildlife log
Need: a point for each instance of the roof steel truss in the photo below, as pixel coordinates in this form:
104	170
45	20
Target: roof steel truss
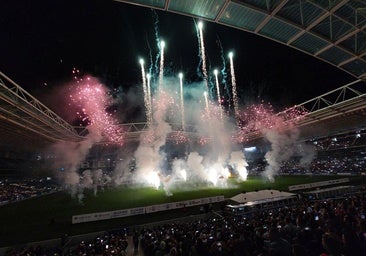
22	109
348	98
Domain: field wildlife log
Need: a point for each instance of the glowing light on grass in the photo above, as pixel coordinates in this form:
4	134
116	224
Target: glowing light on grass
153	179
237	161
212	175
183	174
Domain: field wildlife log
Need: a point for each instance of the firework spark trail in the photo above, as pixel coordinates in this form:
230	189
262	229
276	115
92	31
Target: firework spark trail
203	55
144	86
218	92
233	85
198	68
182	100
149	109
223	69
161	68
205	94
150	56
157	40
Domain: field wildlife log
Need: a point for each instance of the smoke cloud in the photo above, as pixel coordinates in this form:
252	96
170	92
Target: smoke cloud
205	151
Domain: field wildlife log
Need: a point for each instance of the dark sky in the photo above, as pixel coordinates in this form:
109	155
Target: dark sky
42	40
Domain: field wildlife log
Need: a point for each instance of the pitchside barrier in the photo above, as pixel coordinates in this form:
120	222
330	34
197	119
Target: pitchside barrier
143	210
318	184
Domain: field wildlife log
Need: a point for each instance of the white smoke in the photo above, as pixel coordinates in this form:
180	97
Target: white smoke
122	174
203	162
179	169
238	162
70	155
284	146
196	170
307	154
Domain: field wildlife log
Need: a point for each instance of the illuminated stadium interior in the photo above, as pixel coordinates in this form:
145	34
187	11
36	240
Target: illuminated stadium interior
191	141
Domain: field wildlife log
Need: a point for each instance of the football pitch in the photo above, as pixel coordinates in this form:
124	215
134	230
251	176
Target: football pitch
49	216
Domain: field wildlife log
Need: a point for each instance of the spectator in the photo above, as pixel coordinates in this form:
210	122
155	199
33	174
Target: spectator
332	245
278	245
136	240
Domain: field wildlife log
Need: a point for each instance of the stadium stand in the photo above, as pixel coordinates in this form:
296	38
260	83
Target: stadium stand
333	226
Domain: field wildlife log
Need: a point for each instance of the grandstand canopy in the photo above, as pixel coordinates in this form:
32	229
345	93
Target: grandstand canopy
330	30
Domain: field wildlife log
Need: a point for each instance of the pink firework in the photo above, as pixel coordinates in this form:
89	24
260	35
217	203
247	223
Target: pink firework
211	112
179	137
203	140
293	114
254	119
92	100
168	105
148	137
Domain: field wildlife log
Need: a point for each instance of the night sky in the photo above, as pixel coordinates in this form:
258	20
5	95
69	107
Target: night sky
42	41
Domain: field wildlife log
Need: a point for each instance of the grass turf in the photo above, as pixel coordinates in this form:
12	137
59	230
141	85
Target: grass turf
49	216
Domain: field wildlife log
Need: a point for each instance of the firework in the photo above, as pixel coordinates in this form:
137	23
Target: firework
145	90
91	97
161	68
203	54
218	92
175	113
233	85
181	99
149	105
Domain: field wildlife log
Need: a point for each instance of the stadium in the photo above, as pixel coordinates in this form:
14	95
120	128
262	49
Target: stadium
191	168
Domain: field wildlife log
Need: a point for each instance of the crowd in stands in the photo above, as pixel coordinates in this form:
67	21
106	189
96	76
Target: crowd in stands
337	155
331	227
20	189
352	140
111	243
37	250
314	228
328	164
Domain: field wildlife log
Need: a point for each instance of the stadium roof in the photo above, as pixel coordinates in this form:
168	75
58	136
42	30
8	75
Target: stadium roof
331	30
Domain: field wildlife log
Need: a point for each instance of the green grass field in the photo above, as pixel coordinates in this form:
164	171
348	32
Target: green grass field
49	216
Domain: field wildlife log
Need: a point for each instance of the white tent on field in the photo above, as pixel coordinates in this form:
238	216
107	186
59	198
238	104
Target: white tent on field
262	195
